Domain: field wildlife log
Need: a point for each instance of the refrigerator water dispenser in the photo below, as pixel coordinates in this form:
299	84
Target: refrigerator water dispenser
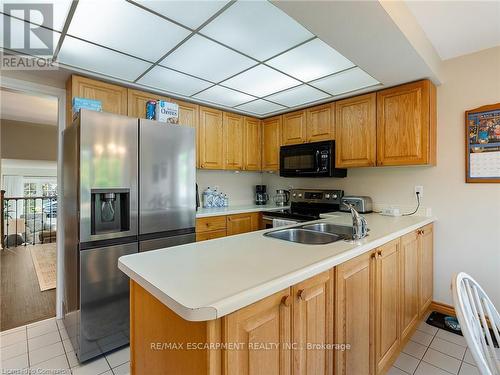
110	211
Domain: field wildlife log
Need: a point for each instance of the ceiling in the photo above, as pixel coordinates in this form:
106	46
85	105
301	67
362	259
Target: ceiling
28	108
248	56
457	28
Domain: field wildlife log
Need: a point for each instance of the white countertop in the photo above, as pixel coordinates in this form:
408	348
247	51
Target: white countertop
205	212
210	279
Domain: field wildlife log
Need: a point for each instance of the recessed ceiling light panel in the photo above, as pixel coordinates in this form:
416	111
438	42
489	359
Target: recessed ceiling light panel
223	96
350	80
261	81
298	96
88	56
191	13
260	107
256	28
169	80
203	58
311	60
126	28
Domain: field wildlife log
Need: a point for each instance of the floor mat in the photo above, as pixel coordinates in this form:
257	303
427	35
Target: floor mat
44	260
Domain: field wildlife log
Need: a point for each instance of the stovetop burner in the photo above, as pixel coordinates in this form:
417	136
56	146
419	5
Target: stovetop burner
308	204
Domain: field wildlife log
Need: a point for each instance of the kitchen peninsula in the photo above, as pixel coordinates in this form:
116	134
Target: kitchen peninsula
251	304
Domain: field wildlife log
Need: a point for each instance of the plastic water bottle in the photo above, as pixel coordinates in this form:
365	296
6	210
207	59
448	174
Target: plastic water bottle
208	198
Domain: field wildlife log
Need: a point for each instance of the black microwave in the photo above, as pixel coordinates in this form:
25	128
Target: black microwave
310	160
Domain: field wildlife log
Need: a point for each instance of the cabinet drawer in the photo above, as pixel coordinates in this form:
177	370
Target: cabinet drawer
203	236
206	224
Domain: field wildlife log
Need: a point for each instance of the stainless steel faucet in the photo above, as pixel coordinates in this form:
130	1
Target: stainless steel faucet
359	223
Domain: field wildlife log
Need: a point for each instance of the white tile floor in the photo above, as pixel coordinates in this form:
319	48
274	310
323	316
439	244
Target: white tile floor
45	345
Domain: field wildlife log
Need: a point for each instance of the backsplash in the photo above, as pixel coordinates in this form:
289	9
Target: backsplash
238	186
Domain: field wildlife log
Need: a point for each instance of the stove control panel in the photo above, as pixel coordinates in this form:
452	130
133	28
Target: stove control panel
316	196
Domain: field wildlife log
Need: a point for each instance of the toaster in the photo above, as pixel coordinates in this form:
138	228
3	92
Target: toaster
362	204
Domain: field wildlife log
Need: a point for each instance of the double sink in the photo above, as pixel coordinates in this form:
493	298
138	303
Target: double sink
314	234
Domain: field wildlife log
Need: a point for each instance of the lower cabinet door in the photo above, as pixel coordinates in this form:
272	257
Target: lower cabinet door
263	331
242	223
313	325
386	304
354	323
409	282
426	271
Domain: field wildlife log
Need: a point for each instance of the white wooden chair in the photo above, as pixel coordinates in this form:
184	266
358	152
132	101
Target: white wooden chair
476	313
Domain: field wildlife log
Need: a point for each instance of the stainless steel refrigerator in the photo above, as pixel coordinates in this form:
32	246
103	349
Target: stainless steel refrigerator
129	186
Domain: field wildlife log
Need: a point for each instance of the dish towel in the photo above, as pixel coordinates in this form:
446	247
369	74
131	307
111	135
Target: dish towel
282	222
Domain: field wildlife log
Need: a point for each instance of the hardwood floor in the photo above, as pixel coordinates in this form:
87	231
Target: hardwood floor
21	301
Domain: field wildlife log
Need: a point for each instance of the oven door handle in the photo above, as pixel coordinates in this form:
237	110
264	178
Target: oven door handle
317	161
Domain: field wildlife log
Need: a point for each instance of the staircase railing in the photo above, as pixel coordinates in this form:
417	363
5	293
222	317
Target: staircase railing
25	218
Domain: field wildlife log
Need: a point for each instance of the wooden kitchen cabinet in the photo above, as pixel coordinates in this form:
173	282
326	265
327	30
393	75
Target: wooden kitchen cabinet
387	297
356	129
354	315
320	123
271	142
112	97
409	283
211	135
233	141
210	227
242	223
406	124
253	144
293	128
312	323
268	322
425	265
136	102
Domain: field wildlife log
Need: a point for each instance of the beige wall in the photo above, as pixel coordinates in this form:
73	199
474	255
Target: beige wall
23	140
467	235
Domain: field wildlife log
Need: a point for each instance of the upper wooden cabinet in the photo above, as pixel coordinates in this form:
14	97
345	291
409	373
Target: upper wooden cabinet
253	144
211	135
406	124
233	141
312	323
266	321
387	293
293	128
320	123
271	142
137	100
354	318
356	129
188	113
425	262
112	97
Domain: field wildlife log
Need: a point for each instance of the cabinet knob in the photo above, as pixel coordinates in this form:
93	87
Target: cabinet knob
286	301
379	253
302	295
374	255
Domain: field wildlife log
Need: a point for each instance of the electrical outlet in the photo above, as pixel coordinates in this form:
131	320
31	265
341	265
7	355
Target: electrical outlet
420	190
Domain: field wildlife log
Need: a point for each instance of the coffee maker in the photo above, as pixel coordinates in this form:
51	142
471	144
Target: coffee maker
261	197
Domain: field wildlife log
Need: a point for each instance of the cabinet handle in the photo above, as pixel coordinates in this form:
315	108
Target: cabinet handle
374	255
286	301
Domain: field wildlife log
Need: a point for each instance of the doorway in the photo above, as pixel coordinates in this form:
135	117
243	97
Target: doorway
29	208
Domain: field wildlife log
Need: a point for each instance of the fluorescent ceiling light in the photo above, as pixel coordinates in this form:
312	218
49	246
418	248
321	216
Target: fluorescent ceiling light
349	80
187	12
126	28
311	60
223	96
260	107
169	80
100	60
261	81
256	28
60	9
298	96
203	58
